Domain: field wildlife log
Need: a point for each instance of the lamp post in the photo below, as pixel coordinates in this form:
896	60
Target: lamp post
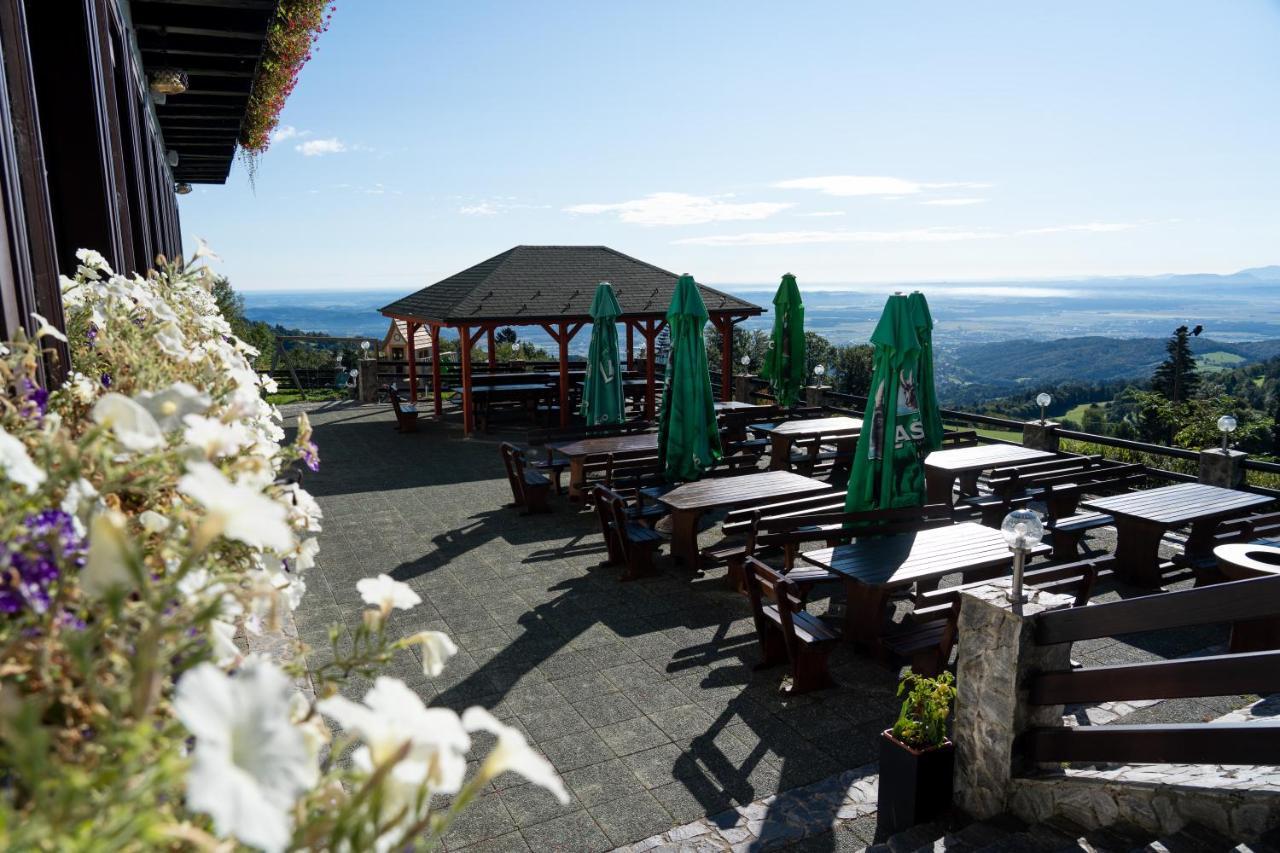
818	370
745	361
1022	531
1226	426
364	349
1043	400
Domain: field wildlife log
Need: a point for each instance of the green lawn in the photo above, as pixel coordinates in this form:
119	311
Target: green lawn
1076	413
1218	360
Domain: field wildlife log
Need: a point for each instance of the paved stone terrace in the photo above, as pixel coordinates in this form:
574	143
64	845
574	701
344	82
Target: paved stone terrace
643	695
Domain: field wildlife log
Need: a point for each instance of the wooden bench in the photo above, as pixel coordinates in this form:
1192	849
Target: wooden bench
626	540
406	414
529	489
786	632
553	466
955	439
929	634
1059	490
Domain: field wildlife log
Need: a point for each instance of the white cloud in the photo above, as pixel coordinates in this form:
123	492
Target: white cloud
484	208
954	202
1095	227
823	213
792	238
283	132
870	185
682	209
320	147
501	204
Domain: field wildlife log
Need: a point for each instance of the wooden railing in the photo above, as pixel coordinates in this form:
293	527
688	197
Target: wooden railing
1218	675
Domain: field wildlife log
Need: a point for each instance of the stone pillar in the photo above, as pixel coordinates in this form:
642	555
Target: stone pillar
1224	468
368	380
742	388
816	395
1041	436
997	653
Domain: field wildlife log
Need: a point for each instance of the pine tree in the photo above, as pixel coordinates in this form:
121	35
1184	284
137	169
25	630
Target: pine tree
1176	377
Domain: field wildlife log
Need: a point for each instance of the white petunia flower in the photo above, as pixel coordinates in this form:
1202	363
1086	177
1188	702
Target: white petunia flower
250	763
385	592
45	329
305	557
79	501
393	718
153	522
107	564
171	341
512	753
16	464
131	424
436	649
214	438
222	639
82	388
235	511
268	384
174	403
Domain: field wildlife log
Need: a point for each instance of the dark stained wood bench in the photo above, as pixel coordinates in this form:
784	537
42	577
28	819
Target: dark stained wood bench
929	633
554	466
786	631
406	414
956	438
529	489
629	541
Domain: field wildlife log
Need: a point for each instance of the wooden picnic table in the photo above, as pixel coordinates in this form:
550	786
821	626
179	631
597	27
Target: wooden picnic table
525	392
1243	561
781	435
873	568
688	503
943	467
1142	518
579	450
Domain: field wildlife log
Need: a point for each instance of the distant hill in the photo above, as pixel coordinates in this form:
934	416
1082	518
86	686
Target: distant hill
1084	359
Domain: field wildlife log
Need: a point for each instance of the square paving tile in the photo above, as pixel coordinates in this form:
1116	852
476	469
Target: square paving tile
632	818
631	736
572	833
602	783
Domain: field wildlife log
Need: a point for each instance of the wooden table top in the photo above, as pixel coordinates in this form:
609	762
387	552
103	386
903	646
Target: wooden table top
508	389
606	444
1179	503
740	490
738	405
905	558
809	426
983	456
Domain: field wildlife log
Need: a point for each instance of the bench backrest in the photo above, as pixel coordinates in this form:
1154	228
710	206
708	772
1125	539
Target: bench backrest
540	437
800	413
513	462
763	583
788	533
1077	579
957	438
739	520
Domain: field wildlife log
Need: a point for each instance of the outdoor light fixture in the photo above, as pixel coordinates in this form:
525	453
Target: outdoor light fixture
353	373
818	370
169	81
172	158
182	188
745	360
1043	400
364	348
1022	530
1226	426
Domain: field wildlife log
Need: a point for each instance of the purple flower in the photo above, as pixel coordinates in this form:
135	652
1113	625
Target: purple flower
311	455
46	542
92	335
106	380
35	400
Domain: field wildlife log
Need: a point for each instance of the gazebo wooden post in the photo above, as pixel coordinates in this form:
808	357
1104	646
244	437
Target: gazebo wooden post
464	363
410	328
493	352
435	369
631	350
650	394
563	338
726	357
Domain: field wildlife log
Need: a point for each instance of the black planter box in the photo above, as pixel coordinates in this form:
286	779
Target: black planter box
915	785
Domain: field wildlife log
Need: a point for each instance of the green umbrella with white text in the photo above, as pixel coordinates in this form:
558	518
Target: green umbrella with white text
688	435
888	468
602	388
784	364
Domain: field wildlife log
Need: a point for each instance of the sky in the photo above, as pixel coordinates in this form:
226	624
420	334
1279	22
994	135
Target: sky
844	142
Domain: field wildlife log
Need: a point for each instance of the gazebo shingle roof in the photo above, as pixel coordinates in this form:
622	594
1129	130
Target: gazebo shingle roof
531	284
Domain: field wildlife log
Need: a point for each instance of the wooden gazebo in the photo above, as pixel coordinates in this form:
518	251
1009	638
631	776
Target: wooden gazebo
552	287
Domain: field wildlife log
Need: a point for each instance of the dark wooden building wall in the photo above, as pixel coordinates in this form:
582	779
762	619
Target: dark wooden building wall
82	162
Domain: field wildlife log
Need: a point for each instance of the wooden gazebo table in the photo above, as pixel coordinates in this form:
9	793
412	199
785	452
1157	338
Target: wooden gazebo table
782	435
942	467
1243	561
578	451
1142	518
688	502
873	568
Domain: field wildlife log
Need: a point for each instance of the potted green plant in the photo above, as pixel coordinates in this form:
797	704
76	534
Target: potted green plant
916	756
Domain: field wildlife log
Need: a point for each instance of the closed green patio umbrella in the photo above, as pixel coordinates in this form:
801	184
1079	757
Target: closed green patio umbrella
888	469
784	365
602	388
688	436
926	393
